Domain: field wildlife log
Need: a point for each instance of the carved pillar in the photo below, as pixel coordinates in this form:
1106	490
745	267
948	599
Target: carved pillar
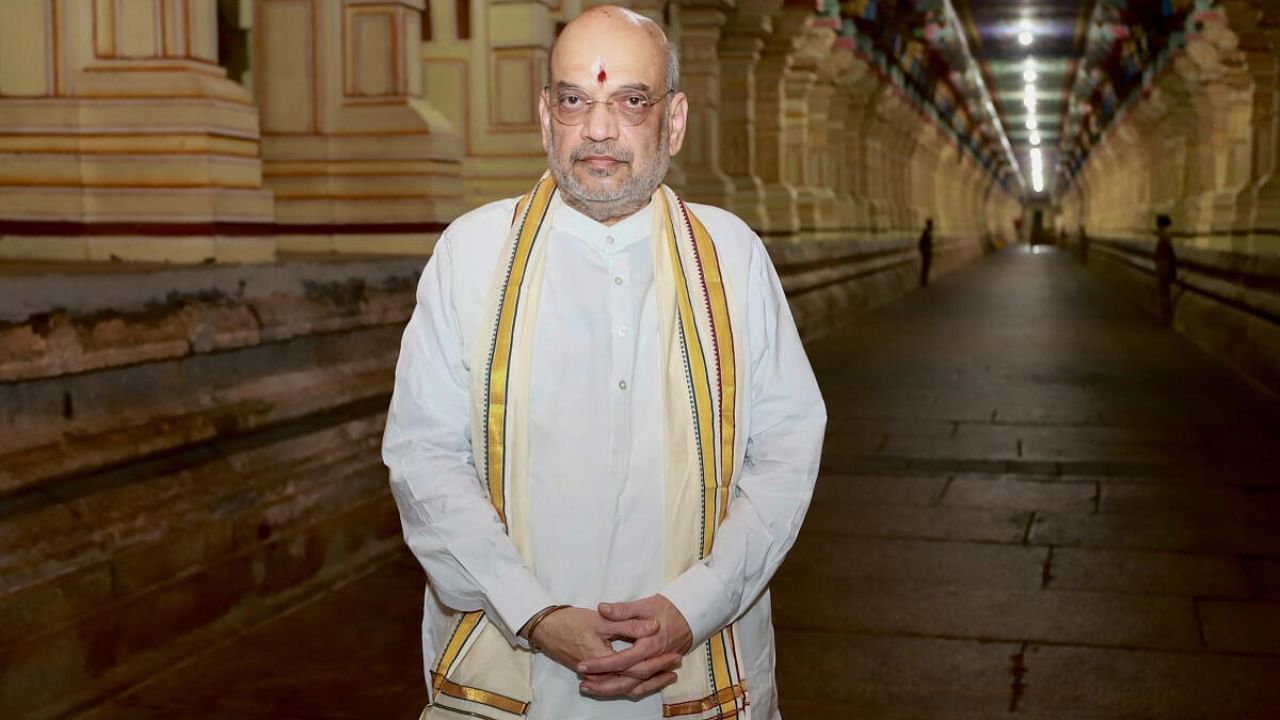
773	155
804	100
117	117
859	128
349	146
701	22
840	117
1258	27
741	45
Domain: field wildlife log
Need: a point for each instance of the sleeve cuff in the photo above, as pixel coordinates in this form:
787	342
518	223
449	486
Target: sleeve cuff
702	599
515	598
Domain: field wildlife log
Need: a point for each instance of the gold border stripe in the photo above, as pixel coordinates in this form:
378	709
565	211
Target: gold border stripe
500	364
482	697
701	388
719	698
722	331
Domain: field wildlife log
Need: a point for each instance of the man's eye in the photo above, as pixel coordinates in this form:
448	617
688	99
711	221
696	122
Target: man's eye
634	101
570	100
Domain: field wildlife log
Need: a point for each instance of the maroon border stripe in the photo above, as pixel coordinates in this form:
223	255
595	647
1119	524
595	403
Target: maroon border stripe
56	228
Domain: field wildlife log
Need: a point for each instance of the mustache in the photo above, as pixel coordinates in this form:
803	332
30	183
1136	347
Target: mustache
600	149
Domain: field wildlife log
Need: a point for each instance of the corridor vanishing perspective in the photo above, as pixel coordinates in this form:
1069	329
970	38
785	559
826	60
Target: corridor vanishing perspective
1034	503
1031	248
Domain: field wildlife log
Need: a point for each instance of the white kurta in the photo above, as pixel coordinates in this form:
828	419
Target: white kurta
595	449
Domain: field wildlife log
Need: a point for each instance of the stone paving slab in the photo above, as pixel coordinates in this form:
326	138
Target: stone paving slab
1020	494
1152	573
852	561
1094	683
927	523
855	491
988	613
861	676
1246	627
1174	532
1254	505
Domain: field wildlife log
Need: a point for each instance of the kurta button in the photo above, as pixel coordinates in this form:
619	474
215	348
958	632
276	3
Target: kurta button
622	384
617	281
609	239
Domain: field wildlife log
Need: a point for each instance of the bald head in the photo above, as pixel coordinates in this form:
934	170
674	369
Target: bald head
607	42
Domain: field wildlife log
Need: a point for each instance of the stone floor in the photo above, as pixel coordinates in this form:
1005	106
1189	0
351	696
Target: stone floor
1035	503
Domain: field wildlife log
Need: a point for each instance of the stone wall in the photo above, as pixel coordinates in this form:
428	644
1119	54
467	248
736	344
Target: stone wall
1200	146
186	451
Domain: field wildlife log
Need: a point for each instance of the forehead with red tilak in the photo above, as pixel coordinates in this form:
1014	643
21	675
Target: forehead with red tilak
608	43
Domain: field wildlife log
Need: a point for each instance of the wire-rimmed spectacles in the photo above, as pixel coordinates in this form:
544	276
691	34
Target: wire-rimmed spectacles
573	107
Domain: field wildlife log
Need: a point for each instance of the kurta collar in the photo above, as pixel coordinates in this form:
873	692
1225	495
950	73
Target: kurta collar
633	228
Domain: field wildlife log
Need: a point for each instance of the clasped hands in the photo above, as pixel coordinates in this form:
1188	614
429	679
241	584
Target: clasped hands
580	639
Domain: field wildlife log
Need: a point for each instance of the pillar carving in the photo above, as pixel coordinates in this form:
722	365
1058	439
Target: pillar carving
790	24
701	24
1258	28
859	128
81	86
347	139
804	119
741	46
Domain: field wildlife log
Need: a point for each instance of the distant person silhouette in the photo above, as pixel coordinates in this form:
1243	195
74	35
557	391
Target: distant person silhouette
1166	270
926	252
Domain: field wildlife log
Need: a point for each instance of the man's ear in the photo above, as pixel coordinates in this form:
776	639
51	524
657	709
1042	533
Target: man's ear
679	115
544	120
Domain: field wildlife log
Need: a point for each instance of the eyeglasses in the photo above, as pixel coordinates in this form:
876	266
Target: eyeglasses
573	107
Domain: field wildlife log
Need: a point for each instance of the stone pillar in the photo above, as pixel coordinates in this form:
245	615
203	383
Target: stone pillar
790	24
701	22
804	100
350	148
860	125
841	151
1258	28
740	50
92	173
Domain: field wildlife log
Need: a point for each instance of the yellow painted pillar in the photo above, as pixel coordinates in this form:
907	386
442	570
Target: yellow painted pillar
125	139
773	152
359	162
804	100
741	45
701	22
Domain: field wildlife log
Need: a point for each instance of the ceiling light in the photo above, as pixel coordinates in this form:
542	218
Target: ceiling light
1029	89
1025	37
1029	75
1032	124
1035	138
1030	102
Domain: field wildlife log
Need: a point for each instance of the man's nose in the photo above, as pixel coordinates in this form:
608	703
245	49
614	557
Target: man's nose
600	124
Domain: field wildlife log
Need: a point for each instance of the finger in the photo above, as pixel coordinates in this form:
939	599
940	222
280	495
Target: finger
623	610
652	685
608	686
630	629
615	662
646	669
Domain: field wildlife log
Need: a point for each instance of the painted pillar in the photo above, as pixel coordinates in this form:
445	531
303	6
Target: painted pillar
92	173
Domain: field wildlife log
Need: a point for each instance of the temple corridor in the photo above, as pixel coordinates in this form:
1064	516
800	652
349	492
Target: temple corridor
1035	502
1051	482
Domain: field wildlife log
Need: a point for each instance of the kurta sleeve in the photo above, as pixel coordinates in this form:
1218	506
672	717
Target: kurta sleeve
447	519
784	447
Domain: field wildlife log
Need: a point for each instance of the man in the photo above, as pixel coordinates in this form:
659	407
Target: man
1166	270
926	251
604	432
